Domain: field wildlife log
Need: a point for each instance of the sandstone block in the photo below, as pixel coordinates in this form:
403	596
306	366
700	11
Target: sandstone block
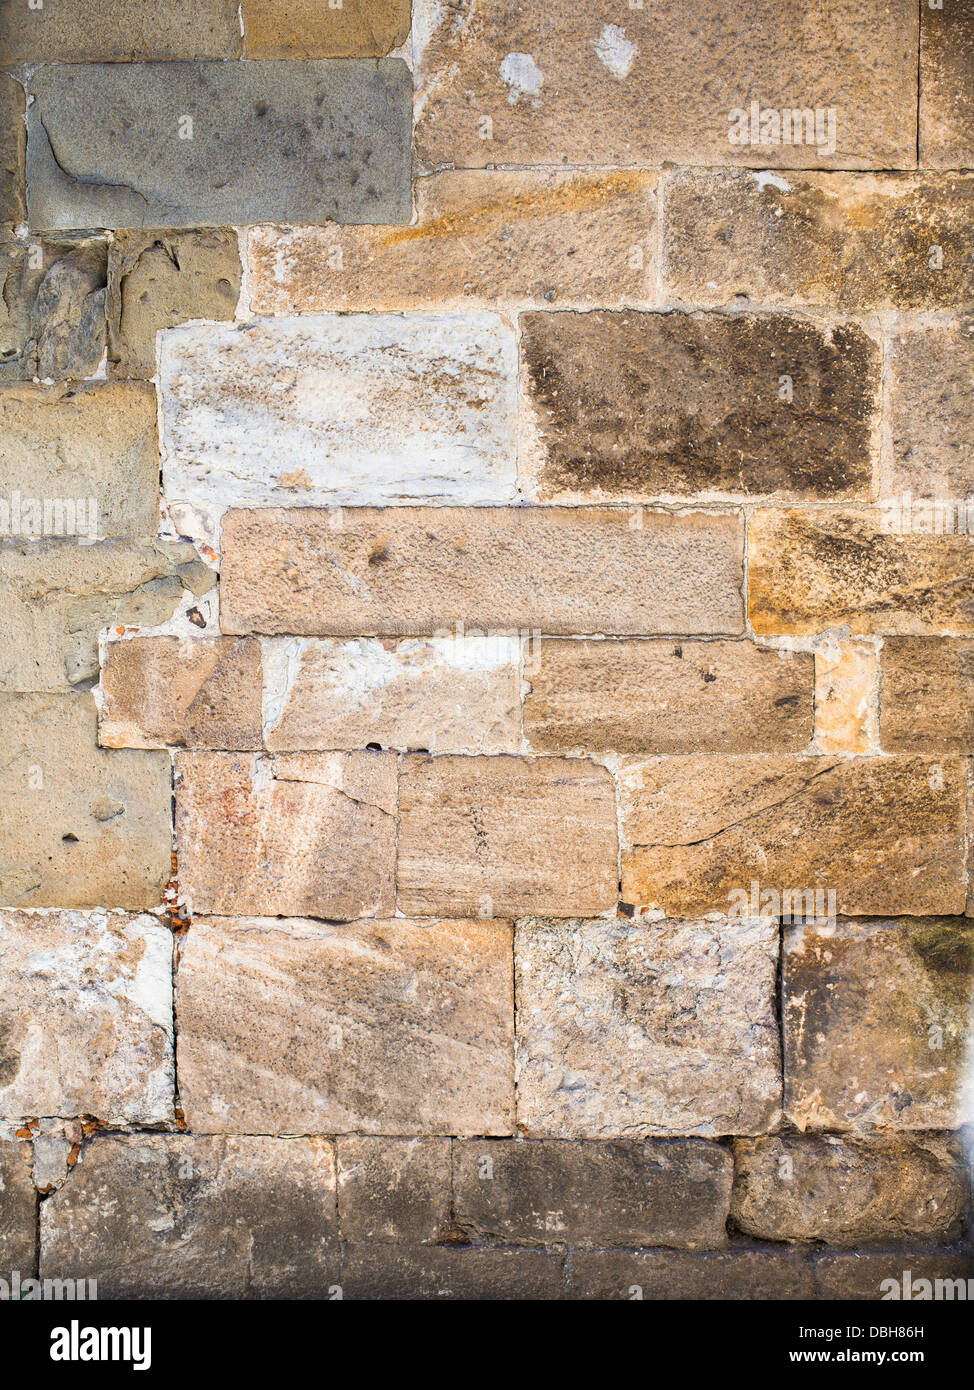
386	1027
661	1275
419	571
667	697
876	1019
393	1189
18	1206
931	412
310	29
119	31
947	86
309	833
849	1191
268	142
927	694
198	1217
87	1027
846	687
79	826
52	307
450	694
884	835
506	836
160	692
480	239
626	406
646	1027
12	106
868	1275
394	1272
555	1192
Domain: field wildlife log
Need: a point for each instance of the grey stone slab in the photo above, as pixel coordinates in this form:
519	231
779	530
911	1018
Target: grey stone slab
219	144
106	31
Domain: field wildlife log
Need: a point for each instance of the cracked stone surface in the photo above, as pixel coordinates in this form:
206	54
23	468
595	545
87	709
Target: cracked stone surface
52	307
87	1016
271	142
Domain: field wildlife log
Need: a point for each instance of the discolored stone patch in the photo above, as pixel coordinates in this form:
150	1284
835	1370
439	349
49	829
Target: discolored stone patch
946	131
927	694
310	29
846	684
394	1189
52	307
630	406
931	412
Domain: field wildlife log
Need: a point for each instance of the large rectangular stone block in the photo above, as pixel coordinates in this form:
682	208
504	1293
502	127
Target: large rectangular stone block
117	31
629	1028
759	1273
317	29
931	413
87	1016
885	835
911	1275
926	694
506	836
444	1272
127	145
392	1027
12	193
18	1208
946	131
419	571
394	1189
54	291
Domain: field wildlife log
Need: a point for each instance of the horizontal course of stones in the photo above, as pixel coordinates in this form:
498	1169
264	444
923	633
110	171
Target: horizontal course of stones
485	579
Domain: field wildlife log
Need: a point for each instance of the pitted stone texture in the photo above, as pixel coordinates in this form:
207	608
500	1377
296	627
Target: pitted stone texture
846	683
647	1027
631	406
393	1189
300	833
384	1027
869	1276
811	570
555	1192
119	31
12	106
927	694
359	410
876	1021
836	241
850	1191
87	1016
57	595
160	279
419	571
480	239
504	83
668	1275
160	692
931	411
84	444
306	142
79	826
666	697
52	307
445	1272
316	29
189	1216
451	694
506	836
947	85
884	834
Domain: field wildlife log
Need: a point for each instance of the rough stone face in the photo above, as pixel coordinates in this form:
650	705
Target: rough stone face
835	241
310	833
479	239
119	31
417	571
52	307
808	571
310	29
662	1275
865	1275
112	460
161	692
160	279
876	1022
667	697
386	1027
947	86
57	595
846	680
504	83
451	694
271	142
18	1208
393	1189
646	1027
884	834
12	104
358	410
848	1191
629	406
87	1016
189	1216
930	411
927	694
553	1192
394	1272
506	836
79	826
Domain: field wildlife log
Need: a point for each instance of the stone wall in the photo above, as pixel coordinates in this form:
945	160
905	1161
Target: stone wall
487	661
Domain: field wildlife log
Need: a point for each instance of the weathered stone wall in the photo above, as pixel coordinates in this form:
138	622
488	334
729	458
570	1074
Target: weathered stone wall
487	657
